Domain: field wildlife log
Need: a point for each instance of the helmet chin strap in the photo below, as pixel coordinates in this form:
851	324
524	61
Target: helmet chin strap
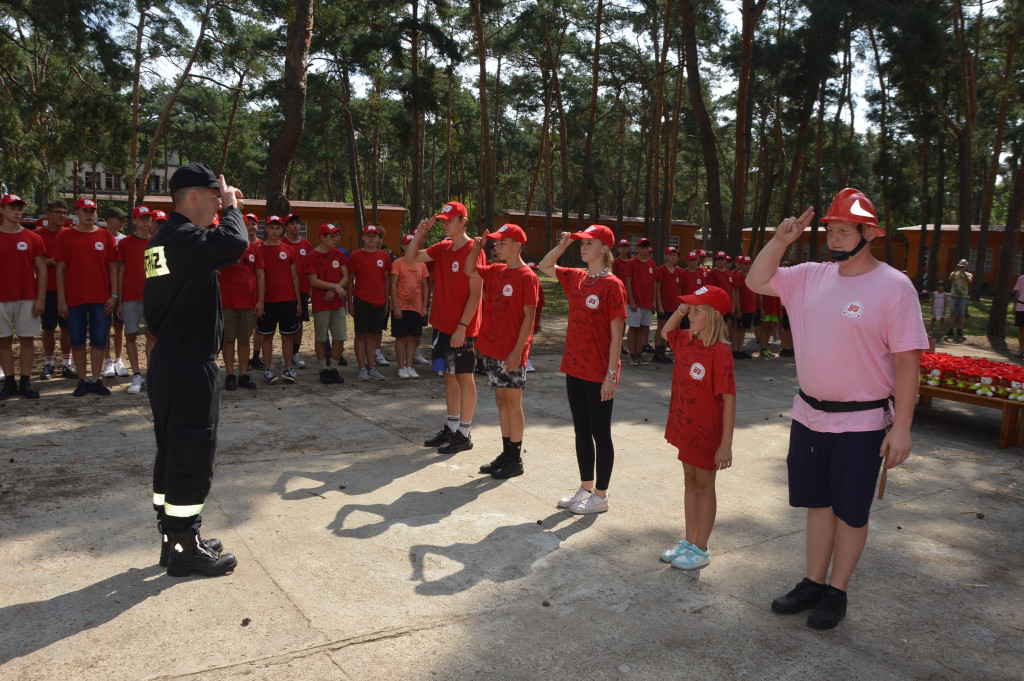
840	256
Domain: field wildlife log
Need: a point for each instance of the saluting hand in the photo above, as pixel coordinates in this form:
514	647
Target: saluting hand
229	196
565	240
790	229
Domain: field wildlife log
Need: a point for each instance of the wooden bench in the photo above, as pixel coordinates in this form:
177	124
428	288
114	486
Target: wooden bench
1011	434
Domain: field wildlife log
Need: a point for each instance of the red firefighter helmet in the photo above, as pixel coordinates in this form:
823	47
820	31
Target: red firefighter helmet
850	205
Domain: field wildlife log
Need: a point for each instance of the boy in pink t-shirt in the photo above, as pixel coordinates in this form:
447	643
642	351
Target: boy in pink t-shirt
858	335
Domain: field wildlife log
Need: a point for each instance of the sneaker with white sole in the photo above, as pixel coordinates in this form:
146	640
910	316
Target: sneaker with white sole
120	369
289	375
419	359
376	375
692	559
271	377
298	361
402	372
676	551
108	369
411	373
589	505
578	495
364	374
529	366
138	383
378	360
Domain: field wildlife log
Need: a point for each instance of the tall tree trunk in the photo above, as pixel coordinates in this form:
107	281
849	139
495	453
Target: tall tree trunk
283	146
358	207
819	150
231	122
554	57
588	148
965	132
133	146
934	275
543	148
487	166
707	132
921	280
751	14
885	153
1001	295
416	112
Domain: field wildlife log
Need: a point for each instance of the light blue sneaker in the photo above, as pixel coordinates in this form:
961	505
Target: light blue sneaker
676	551
692	559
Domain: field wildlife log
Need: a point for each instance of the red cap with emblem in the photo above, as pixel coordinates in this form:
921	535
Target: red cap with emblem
452	209
599	232
509	231
140	211
710	295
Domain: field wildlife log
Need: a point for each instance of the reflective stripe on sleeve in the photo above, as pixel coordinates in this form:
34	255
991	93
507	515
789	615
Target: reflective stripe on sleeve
158	499
172	511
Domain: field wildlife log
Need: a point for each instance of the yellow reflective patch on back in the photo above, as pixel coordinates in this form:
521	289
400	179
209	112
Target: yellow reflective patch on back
156	262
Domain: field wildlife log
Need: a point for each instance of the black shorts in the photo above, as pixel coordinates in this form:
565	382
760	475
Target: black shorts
278	316
368	318
785	321
50	319
1018	317
411	324
452	360
834	469
304	317
745	320
757	318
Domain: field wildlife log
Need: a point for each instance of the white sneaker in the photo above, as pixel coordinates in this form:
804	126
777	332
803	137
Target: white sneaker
419	359
138	383
579	495
378	360
298	361
411	373
364	374
376	375
440	373
120	369
403	372
1	373
529	366
108	369
592	504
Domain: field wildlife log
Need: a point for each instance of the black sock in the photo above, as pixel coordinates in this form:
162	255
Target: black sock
256	354
515	450
505	442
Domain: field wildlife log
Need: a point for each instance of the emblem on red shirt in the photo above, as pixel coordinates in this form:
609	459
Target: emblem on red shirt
98	245
252	258
507	291
22	246
853	309
380	263
455	266
593	301
697	371
335	264
650	270
302	251
282	255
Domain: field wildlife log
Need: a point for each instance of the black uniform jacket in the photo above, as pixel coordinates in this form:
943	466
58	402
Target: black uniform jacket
181	300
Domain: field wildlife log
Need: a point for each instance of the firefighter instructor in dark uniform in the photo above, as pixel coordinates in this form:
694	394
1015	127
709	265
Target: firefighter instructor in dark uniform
181	306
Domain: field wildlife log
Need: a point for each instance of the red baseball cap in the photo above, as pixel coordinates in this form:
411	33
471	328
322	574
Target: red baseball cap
14	198
328	228
292	216
671	249
623	242
693	255
371	229
140	211
722	254
407	239
452	209
709	295
599	232
274	219
159	216
85	203
251	216
509	231
702	253
644	241
744	258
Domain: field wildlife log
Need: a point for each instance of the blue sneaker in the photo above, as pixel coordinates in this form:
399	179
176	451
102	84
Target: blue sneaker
676	551
692	559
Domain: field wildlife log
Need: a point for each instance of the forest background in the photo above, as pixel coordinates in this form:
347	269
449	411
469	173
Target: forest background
729	114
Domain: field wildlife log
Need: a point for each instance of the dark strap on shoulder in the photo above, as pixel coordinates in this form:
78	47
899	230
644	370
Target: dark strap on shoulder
833	407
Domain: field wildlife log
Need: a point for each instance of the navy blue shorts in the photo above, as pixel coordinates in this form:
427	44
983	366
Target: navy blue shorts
834	469
50	319
88	323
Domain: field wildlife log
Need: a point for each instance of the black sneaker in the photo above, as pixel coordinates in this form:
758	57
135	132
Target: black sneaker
336	377
25	389
47	373
510	470
231	382
83	388
325	377
442	438
498	462
647	348
10	388
457	443
68	371
830	611
255	363
100	389
807	594
342	362
659	359
245	380
742	354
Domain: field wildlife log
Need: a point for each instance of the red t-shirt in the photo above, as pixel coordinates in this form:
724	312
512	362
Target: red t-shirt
18	253
591	311
691	281
771	305
506	292
451	287
88	256
671	282
748	299
50	242
540	306
700	377
370	272
327	267
238	282
643	274
131	251
620	268
277	271
302	249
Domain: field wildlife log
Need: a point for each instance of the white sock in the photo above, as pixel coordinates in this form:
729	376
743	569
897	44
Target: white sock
452	423
464	427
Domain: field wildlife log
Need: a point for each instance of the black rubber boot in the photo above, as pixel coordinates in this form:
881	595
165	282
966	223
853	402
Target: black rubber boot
187	555
213	545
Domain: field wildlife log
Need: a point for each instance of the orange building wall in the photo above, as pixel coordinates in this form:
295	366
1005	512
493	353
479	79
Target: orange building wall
947	259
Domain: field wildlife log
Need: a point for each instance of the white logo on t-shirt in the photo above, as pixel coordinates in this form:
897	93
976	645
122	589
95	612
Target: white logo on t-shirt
22	246
380	263
698	281
98	245
697	371
335	264
507	291
650	270
455	266
252	258
302	251
853	309
282	255
593	301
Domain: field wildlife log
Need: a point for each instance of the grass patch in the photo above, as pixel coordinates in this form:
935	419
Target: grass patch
976	323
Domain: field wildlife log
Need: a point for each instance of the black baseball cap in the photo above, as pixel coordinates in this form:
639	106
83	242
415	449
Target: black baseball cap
114	212
193	175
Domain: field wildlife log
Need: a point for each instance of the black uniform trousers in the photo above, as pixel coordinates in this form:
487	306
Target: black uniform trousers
184	393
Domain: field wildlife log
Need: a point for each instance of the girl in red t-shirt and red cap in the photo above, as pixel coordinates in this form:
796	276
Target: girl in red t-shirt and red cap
701	414
597	311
